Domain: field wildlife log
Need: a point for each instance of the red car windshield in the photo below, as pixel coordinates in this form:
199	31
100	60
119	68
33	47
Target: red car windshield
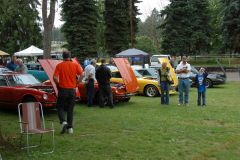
22	79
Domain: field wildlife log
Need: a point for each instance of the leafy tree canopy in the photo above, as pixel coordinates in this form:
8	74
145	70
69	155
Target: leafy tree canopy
19	25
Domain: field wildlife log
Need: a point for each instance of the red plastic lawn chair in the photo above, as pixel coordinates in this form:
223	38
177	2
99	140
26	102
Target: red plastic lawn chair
32	122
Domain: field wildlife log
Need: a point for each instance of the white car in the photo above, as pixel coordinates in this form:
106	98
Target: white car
154	61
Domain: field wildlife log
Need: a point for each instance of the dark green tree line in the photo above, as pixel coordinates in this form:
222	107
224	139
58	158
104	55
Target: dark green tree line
231	25
186	27
80	27
19	25
116	22
119	17
216	13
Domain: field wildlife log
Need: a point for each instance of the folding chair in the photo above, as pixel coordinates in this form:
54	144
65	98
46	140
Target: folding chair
30	117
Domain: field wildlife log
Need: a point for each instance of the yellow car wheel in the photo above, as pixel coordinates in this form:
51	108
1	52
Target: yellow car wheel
151	91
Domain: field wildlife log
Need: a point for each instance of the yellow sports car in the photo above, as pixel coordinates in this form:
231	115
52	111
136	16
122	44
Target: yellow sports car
147	86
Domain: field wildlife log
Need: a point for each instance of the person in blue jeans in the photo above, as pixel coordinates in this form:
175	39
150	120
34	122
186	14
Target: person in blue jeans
183	72
201	87
164	77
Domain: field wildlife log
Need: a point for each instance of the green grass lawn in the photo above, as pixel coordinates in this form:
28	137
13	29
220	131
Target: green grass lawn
143	129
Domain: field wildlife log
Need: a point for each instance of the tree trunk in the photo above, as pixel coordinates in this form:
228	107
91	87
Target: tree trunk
131	22
48	21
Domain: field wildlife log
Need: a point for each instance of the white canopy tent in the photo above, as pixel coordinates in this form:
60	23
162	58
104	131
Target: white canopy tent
30	51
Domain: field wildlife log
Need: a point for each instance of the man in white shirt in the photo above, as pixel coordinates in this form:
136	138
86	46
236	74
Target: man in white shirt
183	71
89	75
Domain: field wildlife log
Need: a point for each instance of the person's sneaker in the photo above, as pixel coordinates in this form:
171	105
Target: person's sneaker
64	127
70	131
179	104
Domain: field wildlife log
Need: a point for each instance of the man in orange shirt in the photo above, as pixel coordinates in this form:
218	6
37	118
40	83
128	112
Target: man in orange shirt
66	76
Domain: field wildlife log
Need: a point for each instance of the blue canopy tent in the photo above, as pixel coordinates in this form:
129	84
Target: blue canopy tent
135	55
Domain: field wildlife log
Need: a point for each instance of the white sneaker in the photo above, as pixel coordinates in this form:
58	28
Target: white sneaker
64	127
70	131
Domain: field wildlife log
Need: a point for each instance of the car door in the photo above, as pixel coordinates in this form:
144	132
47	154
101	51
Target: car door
4	91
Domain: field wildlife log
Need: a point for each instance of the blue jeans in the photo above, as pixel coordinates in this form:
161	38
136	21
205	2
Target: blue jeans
201	96
183	88
164	93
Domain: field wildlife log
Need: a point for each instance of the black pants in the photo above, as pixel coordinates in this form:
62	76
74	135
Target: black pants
90	92
65	103
105	92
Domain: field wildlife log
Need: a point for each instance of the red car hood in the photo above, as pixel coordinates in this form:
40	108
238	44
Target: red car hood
127	74
49	66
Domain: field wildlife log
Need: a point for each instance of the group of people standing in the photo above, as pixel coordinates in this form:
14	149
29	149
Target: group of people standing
102	75
17	65
183	71
67	76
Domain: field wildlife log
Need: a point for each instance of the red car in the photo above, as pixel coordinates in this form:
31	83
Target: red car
16	88
121	92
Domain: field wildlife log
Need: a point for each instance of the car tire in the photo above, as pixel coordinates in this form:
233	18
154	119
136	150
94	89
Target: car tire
209	83
151	91
126	99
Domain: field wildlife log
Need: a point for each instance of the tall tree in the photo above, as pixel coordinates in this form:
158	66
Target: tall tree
100	28
216	12
80	27
176	28
150	28
57	35
231	23
202	30
146	44
133	20
121	24
116	21
186	28
48	22
19	25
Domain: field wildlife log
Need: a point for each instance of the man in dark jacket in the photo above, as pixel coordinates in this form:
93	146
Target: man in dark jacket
103	76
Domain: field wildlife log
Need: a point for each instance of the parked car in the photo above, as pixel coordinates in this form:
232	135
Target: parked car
16	88
4	70
155	62
212	78
121	91
148	86
150	73
37	71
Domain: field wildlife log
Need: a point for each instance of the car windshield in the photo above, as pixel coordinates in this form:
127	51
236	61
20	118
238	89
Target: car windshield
194	70
112	68
152	71
22	79
138	75
4	70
